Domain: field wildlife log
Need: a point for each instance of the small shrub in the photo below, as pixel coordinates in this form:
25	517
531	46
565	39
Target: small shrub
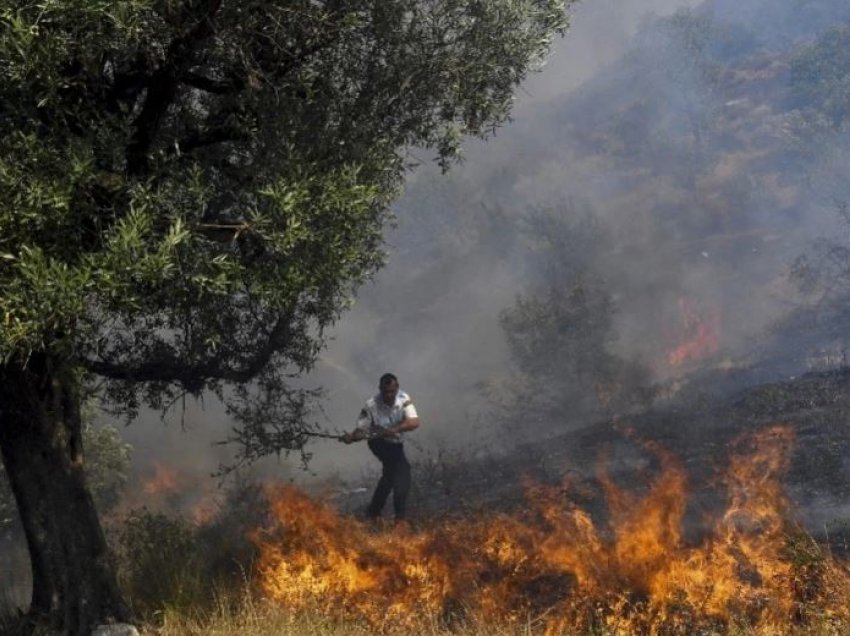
230	553
160	563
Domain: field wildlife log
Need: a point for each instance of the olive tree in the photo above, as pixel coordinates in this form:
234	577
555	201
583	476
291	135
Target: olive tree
190	193
107	472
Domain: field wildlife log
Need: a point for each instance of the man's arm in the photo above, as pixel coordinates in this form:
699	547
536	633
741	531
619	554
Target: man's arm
407	424
364	421
409	421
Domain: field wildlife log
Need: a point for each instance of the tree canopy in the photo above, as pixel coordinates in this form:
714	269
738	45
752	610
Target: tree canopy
190	192
560	332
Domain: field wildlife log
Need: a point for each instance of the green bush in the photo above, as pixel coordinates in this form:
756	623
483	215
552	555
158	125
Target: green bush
225	539
169	563
160	563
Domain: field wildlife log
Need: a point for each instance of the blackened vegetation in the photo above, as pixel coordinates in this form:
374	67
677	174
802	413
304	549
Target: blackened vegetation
708	153
699	428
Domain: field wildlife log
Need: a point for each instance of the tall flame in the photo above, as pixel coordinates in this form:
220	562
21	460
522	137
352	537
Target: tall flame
552	566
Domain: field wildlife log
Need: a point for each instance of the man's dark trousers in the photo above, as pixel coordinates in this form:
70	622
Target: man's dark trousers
395	477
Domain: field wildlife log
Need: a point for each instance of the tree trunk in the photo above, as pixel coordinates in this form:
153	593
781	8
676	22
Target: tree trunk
74	583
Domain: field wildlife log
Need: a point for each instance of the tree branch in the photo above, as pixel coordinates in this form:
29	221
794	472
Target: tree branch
193	376
162	88
305	53
211	137
210	85
224	232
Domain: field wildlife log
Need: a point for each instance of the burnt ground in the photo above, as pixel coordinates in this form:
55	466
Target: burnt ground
700	429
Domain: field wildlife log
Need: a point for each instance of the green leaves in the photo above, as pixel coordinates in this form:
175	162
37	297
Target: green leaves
314	236
40	303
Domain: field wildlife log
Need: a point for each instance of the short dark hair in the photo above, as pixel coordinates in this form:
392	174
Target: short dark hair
386	379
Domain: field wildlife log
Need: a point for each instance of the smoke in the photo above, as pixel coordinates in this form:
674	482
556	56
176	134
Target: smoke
431	315
600	35
678	134
671	125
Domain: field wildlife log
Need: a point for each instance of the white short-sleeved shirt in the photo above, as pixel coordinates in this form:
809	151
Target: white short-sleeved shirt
377	415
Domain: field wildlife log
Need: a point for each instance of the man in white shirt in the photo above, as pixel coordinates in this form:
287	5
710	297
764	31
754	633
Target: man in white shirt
383	421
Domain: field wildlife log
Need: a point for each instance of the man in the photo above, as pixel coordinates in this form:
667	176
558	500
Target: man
384	419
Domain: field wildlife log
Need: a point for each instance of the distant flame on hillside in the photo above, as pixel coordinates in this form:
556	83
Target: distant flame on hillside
552	568
176	491
701	335
165	480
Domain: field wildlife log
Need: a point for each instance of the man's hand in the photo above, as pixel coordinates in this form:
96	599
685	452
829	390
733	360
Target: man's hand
353	436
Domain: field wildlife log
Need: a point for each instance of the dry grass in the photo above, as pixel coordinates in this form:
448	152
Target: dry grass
248	616
251	617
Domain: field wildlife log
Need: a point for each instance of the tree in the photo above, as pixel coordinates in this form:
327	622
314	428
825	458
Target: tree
559	334
107	471
817	326
820	76
190	193
682	56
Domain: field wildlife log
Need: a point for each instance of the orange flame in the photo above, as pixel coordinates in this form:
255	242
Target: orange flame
204	511
702	335
165	480
551	567
173	490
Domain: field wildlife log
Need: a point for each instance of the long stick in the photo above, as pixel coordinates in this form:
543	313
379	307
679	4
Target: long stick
369	435
322	435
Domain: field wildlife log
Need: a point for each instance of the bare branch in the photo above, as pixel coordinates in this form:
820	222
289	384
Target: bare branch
224	232
212	137
162	88
210	85
191	375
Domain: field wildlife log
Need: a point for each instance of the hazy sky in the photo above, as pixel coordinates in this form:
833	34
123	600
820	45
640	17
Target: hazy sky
599	34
